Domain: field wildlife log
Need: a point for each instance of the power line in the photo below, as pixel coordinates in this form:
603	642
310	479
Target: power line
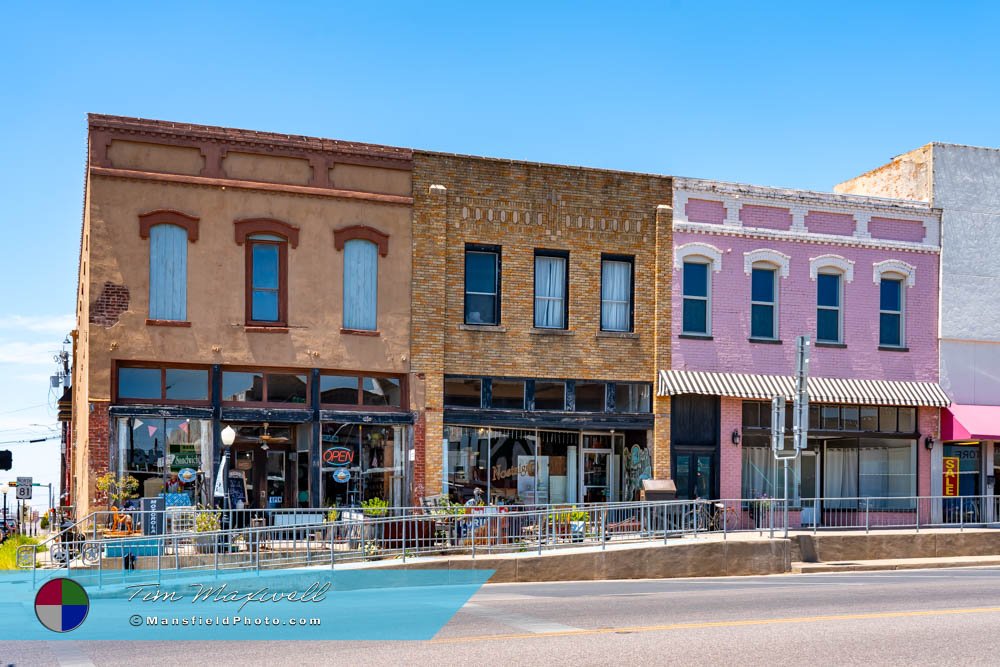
30	407
23	442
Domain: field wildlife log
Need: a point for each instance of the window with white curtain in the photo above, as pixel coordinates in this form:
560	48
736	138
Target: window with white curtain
360	285
840	477
550	290
168	272
616	294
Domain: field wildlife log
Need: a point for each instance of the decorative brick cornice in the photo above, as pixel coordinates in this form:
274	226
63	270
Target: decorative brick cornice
227	139
246	227
696	249
364	232
168	217
899	267
778	259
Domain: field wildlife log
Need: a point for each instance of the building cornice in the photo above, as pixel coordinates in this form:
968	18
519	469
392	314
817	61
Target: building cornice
802	237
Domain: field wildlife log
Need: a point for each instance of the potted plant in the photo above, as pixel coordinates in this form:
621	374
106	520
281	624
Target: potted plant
578	524
117	488
206	522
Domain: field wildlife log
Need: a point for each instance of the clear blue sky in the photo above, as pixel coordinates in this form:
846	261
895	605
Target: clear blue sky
797	94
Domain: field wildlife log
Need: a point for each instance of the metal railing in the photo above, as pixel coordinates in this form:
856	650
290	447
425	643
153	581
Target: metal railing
199	539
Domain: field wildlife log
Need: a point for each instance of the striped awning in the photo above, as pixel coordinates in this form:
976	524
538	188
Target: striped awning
821	390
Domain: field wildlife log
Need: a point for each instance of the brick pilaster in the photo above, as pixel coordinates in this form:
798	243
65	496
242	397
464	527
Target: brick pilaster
661	346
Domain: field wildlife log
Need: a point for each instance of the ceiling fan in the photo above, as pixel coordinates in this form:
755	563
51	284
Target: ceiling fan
265	439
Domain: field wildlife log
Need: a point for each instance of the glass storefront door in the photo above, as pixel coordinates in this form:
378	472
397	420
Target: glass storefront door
600	478
361	463
694	474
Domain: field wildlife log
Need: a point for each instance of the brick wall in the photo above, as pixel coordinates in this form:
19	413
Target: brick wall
523	207
897	230
730	457
768	217
110	305
98	448
821	222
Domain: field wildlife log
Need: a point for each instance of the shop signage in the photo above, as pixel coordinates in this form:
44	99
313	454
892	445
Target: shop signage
342	475
338	456
950	475
152	515
187	475
528	469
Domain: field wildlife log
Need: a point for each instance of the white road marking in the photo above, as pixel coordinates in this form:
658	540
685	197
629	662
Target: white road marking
523	622
68	654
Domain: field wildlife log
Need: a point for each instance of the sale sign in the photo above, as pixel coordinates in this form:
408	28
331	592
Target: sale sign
950	475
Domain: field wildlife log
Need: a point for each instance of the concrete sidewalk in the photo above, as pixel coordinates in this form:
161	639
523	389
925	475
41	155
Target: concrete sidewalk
895	564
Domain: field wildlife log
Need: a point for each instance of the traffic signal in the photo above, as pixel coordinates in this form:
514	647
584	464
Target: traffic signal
6	460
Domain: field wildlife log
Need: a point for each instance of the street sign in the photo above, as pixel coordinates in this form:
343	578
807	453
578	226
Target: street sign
800	414
24	488
780	445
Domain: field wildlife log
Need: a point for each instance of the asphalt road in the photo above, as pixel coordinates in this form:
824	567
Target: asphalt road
920	617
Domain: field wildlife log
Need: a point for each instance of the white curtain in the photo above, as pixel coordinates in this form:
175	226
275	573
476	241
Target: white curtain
758	472
360	285
616	293
168	273
550	292
840	475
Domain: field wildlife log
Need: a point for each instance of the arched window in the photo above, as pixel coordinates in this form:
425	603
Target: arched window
362	246
764	301
169	233
267	244
697	262
360	285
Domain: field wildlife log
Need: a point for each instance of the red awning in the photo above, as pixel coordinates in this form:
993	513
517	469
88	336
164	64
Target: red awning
970	422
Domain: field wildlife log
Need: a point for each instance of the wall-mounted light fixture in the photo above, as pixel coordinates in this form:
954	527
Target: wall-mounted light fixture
736	436
929	442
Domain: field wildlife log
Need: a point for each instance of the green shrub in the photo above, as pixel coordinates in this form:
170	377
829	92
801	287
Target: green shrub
375	507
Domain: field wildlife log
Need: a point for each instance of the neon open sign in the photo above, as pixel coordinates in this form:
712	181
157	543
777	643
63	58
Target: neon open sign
338	456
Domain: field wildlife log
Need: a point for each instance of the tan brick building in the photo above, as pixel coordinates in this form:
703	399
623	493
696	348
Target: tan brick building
231	278
540	317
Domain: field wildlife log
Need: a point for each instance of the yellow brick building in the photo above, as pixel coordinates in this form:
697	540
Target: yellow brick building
540	315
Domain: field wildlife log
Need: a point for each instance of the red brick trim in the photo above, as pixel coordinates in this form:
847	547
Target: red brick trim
364	232
248	226
359	332
167	323
250	185
168	217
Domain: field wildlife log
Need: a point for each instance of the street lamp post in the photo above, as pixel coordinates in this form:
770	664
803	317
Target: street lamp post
5	489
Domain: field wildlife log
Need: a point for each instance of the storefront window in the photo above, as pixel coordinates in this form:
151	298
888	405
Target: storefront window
764	476
550	395
242	387
869	419
165	455
632	397
887	469
508	394
172	384
381	391
590	397
139	383
467	461
361	463
286	388
462	392
907	420
338	389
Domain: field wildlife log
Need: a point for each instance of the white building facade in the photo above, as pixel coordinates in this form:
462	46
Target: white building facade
964	182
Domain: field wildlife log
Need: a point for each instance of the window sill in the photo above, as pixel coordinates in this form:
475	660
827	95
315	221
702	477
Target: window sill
617	334
496	328
359	332
765	341
891	348
696	337
839	346
167	323
535	331
253	328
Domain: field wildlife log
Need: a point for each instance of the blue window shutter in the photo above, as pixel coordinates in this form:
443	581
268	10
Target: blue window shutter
360	285
168	273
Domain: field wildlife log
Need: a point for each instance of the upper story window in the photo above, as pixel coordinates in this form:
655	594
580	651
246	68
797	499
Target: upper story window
264	387
362	246
482	284
551	298
360	285
267	244
829	311
890	314
764	302
158	384
617	288
696	286
169	233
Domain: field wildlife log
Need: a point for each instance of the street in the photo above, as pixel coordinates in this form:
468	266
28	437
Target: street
926	617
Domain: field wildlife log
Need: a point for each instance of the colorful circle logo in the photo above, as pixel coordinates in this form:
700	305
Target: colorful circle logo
61	605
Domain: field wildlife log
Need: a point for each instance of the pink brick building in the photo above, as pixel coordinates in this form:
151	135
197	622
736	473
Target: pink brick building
756	267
